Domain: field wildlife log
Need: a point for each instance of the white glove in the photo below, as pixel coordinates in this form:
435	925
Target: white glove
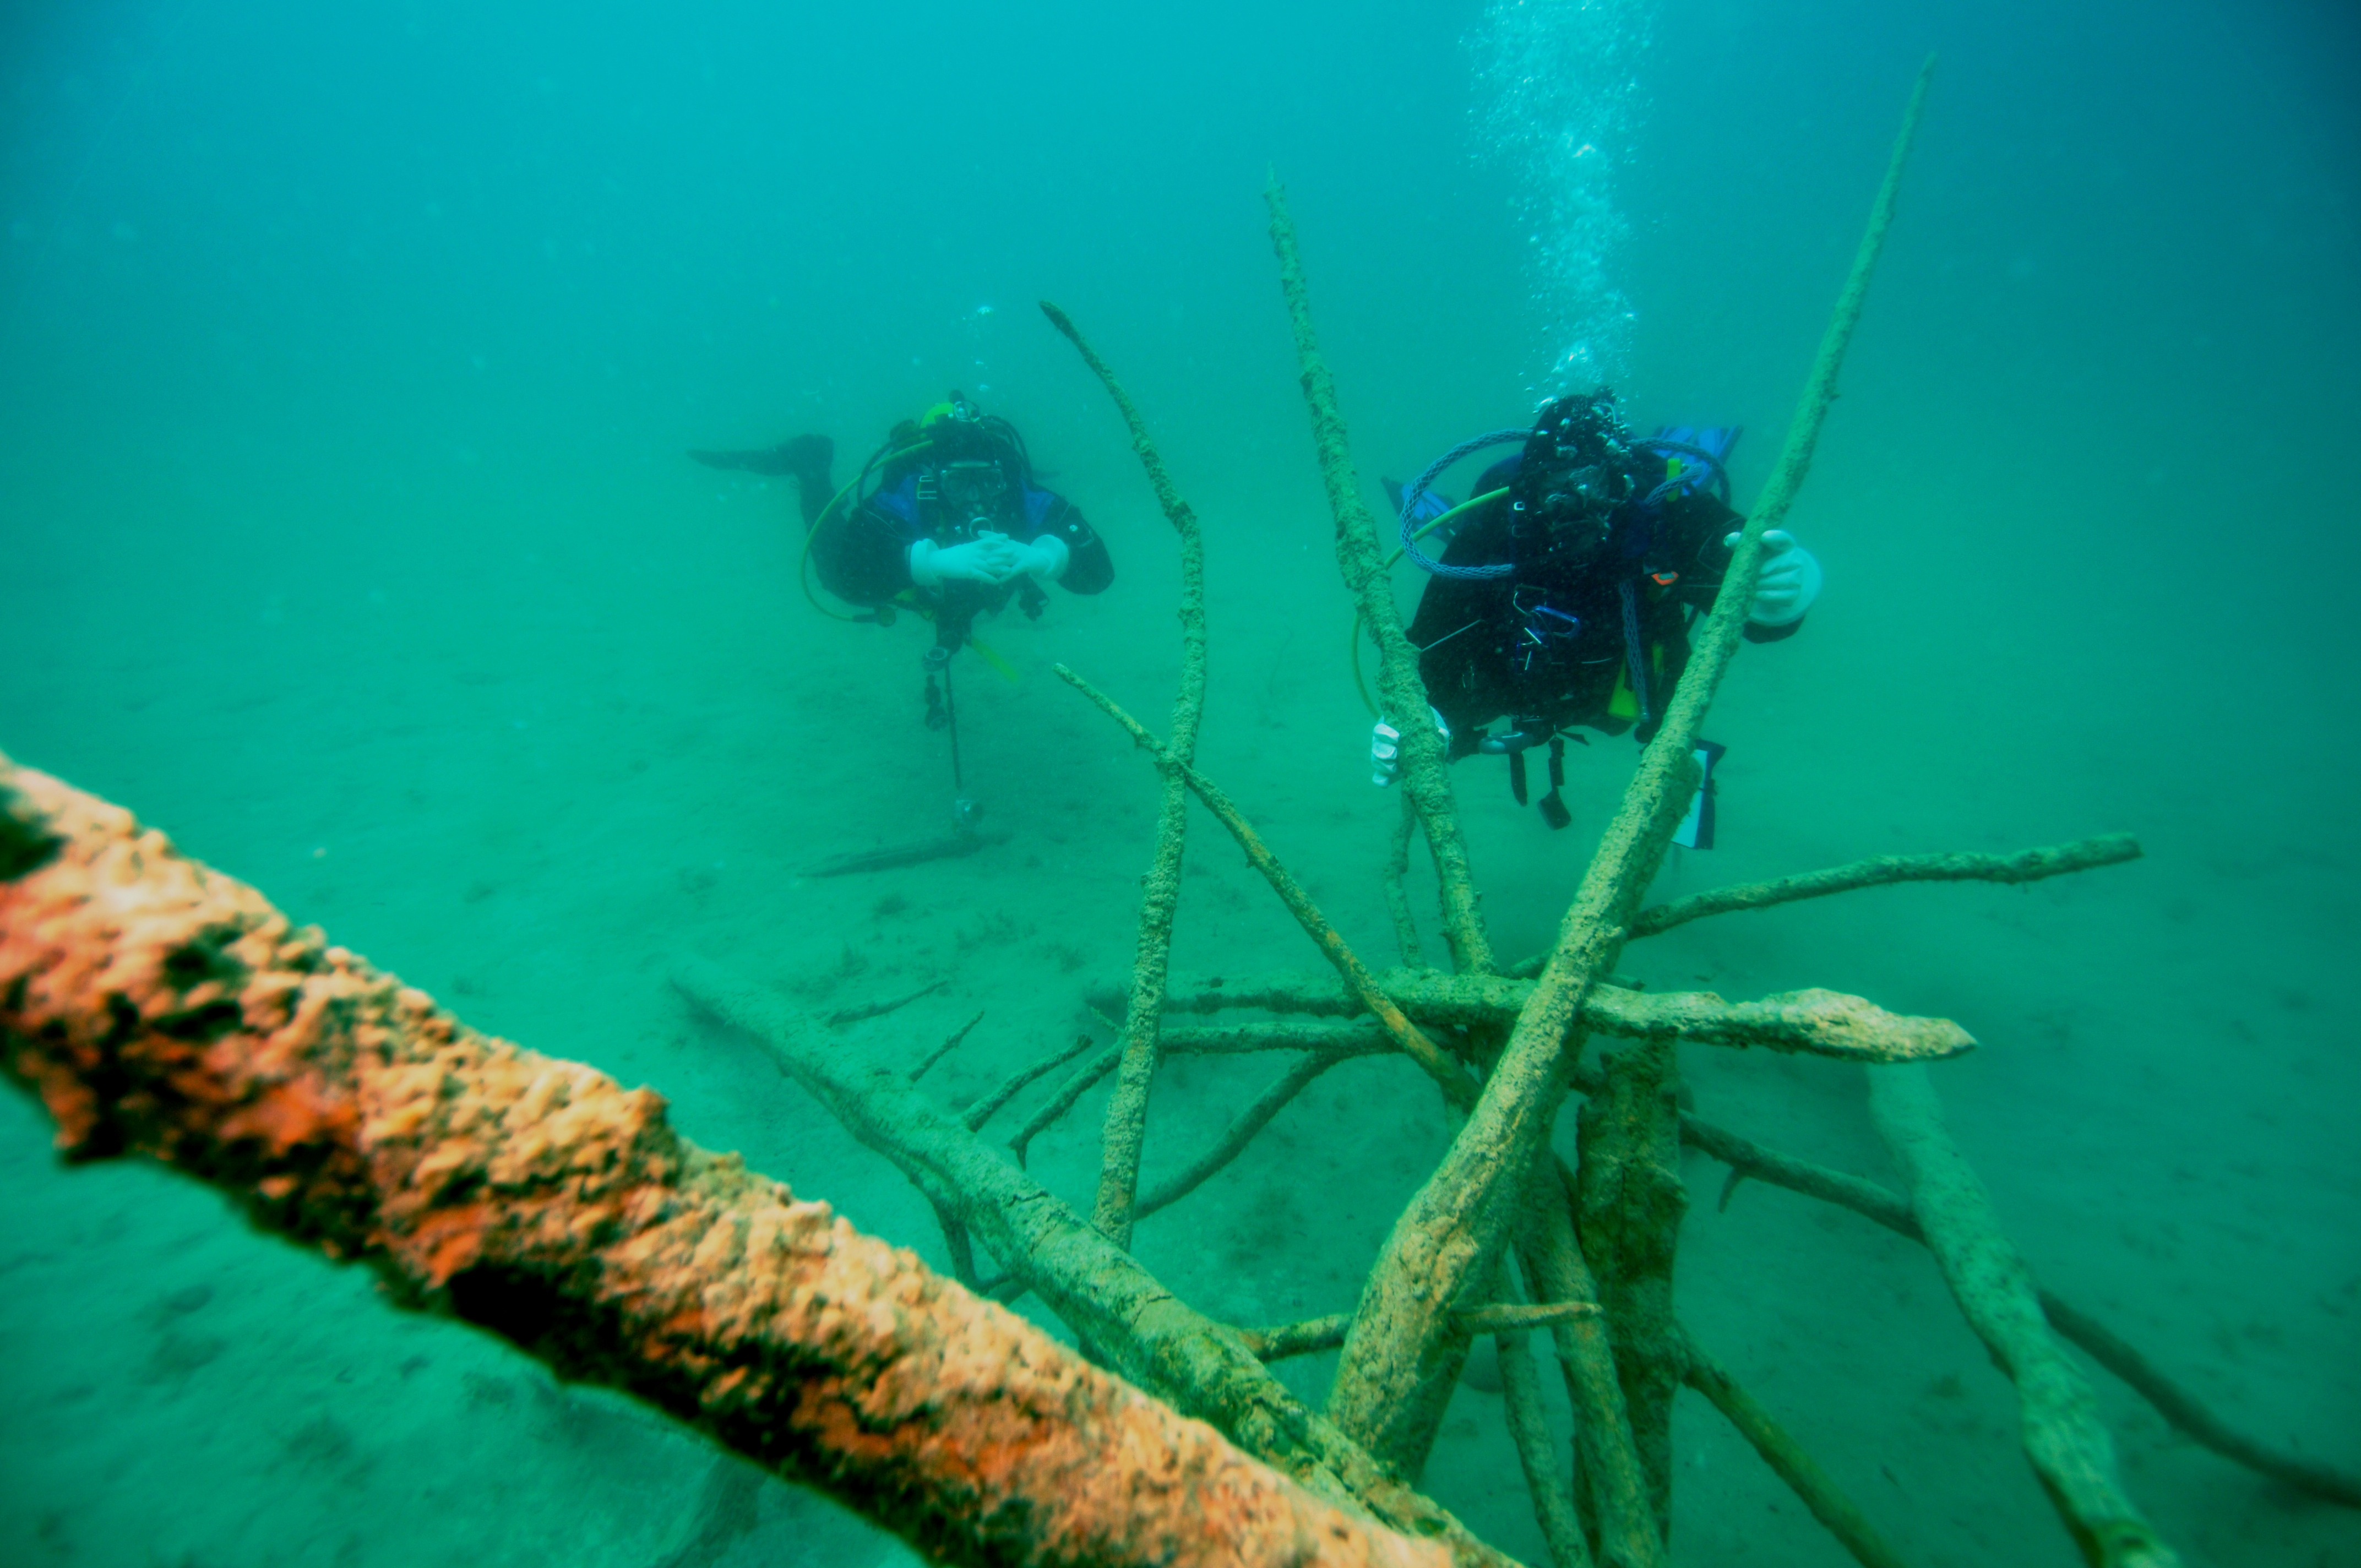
1043	557
1385	749
1789	583
986	558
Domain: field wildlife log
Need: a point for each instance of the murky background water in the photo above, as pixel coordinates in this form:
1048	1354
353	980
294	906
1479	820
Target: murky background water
347	360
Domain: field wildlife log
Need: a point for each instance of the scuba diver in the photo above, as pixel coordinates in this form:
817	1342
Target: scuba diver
1566	595
945	518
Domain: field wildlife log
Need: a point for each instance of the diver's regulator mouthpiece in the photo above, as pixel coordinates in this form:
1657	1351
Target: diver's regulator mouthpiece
975	491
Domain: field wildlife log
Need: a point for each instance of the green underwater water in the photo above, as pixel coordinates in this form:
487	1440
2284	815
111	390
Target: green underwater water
346	364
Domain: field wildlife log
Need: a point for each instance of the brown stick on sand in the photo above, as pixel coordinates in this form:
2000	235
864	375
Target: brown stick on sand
162	1009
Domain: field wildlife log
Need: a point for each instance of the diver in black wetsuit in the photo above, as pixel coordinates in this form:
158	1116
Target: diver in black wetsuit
1565	596
944	519
954	524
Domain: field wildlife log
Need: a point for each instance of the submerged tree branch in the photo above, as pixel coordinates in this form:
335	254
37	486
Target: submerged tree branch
1126	1129
162	1009
1817	1023
1426	777
1879	871
2063	1436
1837	1513
2176	1404
1109	1300
1448	1074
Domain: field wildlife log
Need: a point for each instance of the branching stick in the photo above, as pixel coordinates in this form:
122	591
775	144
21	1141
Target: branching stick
1445	1072
1426	778
1126	1129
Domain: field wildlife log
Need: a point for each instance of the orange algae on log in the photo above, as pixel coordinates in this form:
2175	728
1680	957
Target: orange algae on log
164	1010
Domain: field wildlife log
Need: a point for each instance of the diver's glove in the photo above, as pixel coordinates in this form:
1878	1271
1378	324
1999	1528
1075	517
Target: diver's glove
1044	556
986	558
1385	749
1789	583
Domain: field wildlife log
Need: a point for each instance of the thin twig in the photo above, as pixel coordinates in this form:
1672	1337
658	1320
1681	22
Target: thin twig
1327	1041
1125	1127
955	1239
1058	1104
1397	895
1614	1485
1314	1334
1426	777
1356	1039
1878	871
844	1016
1837	1513
1240	1133
1445	1072
2069	1445
946	1048
1306	1338
983	1110
1546	1478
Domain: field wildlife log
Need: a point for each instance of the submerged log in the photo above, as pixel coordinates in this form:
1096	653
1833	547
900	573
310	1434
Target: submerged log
162	1009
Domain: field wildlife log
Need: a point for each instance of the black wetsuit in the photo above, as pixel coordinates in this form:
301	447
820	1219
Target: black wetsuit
865	557
1545	647
962	478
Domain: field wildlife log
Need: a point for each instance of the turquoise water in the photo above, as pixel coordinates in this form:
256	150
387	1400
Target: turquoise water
347	364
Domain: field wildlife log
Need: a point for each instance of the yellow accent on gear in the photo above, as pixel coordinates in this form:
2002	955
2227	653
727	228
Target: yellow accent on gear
992	656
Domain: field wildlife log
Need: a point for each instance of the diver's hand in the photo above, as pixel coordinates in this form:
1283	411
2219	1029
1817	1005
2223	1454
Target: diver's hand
1044	556
986	558
1789	583
1385	749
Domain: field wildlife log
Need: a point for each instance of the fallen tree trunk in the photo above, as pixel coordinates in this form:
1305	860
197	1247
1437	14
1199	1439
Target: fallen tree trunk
162	1009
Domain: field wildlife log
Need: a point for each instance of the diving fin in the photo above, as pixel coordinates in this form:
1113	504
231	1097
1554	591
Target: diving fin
805	456
1431	505
1696	831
